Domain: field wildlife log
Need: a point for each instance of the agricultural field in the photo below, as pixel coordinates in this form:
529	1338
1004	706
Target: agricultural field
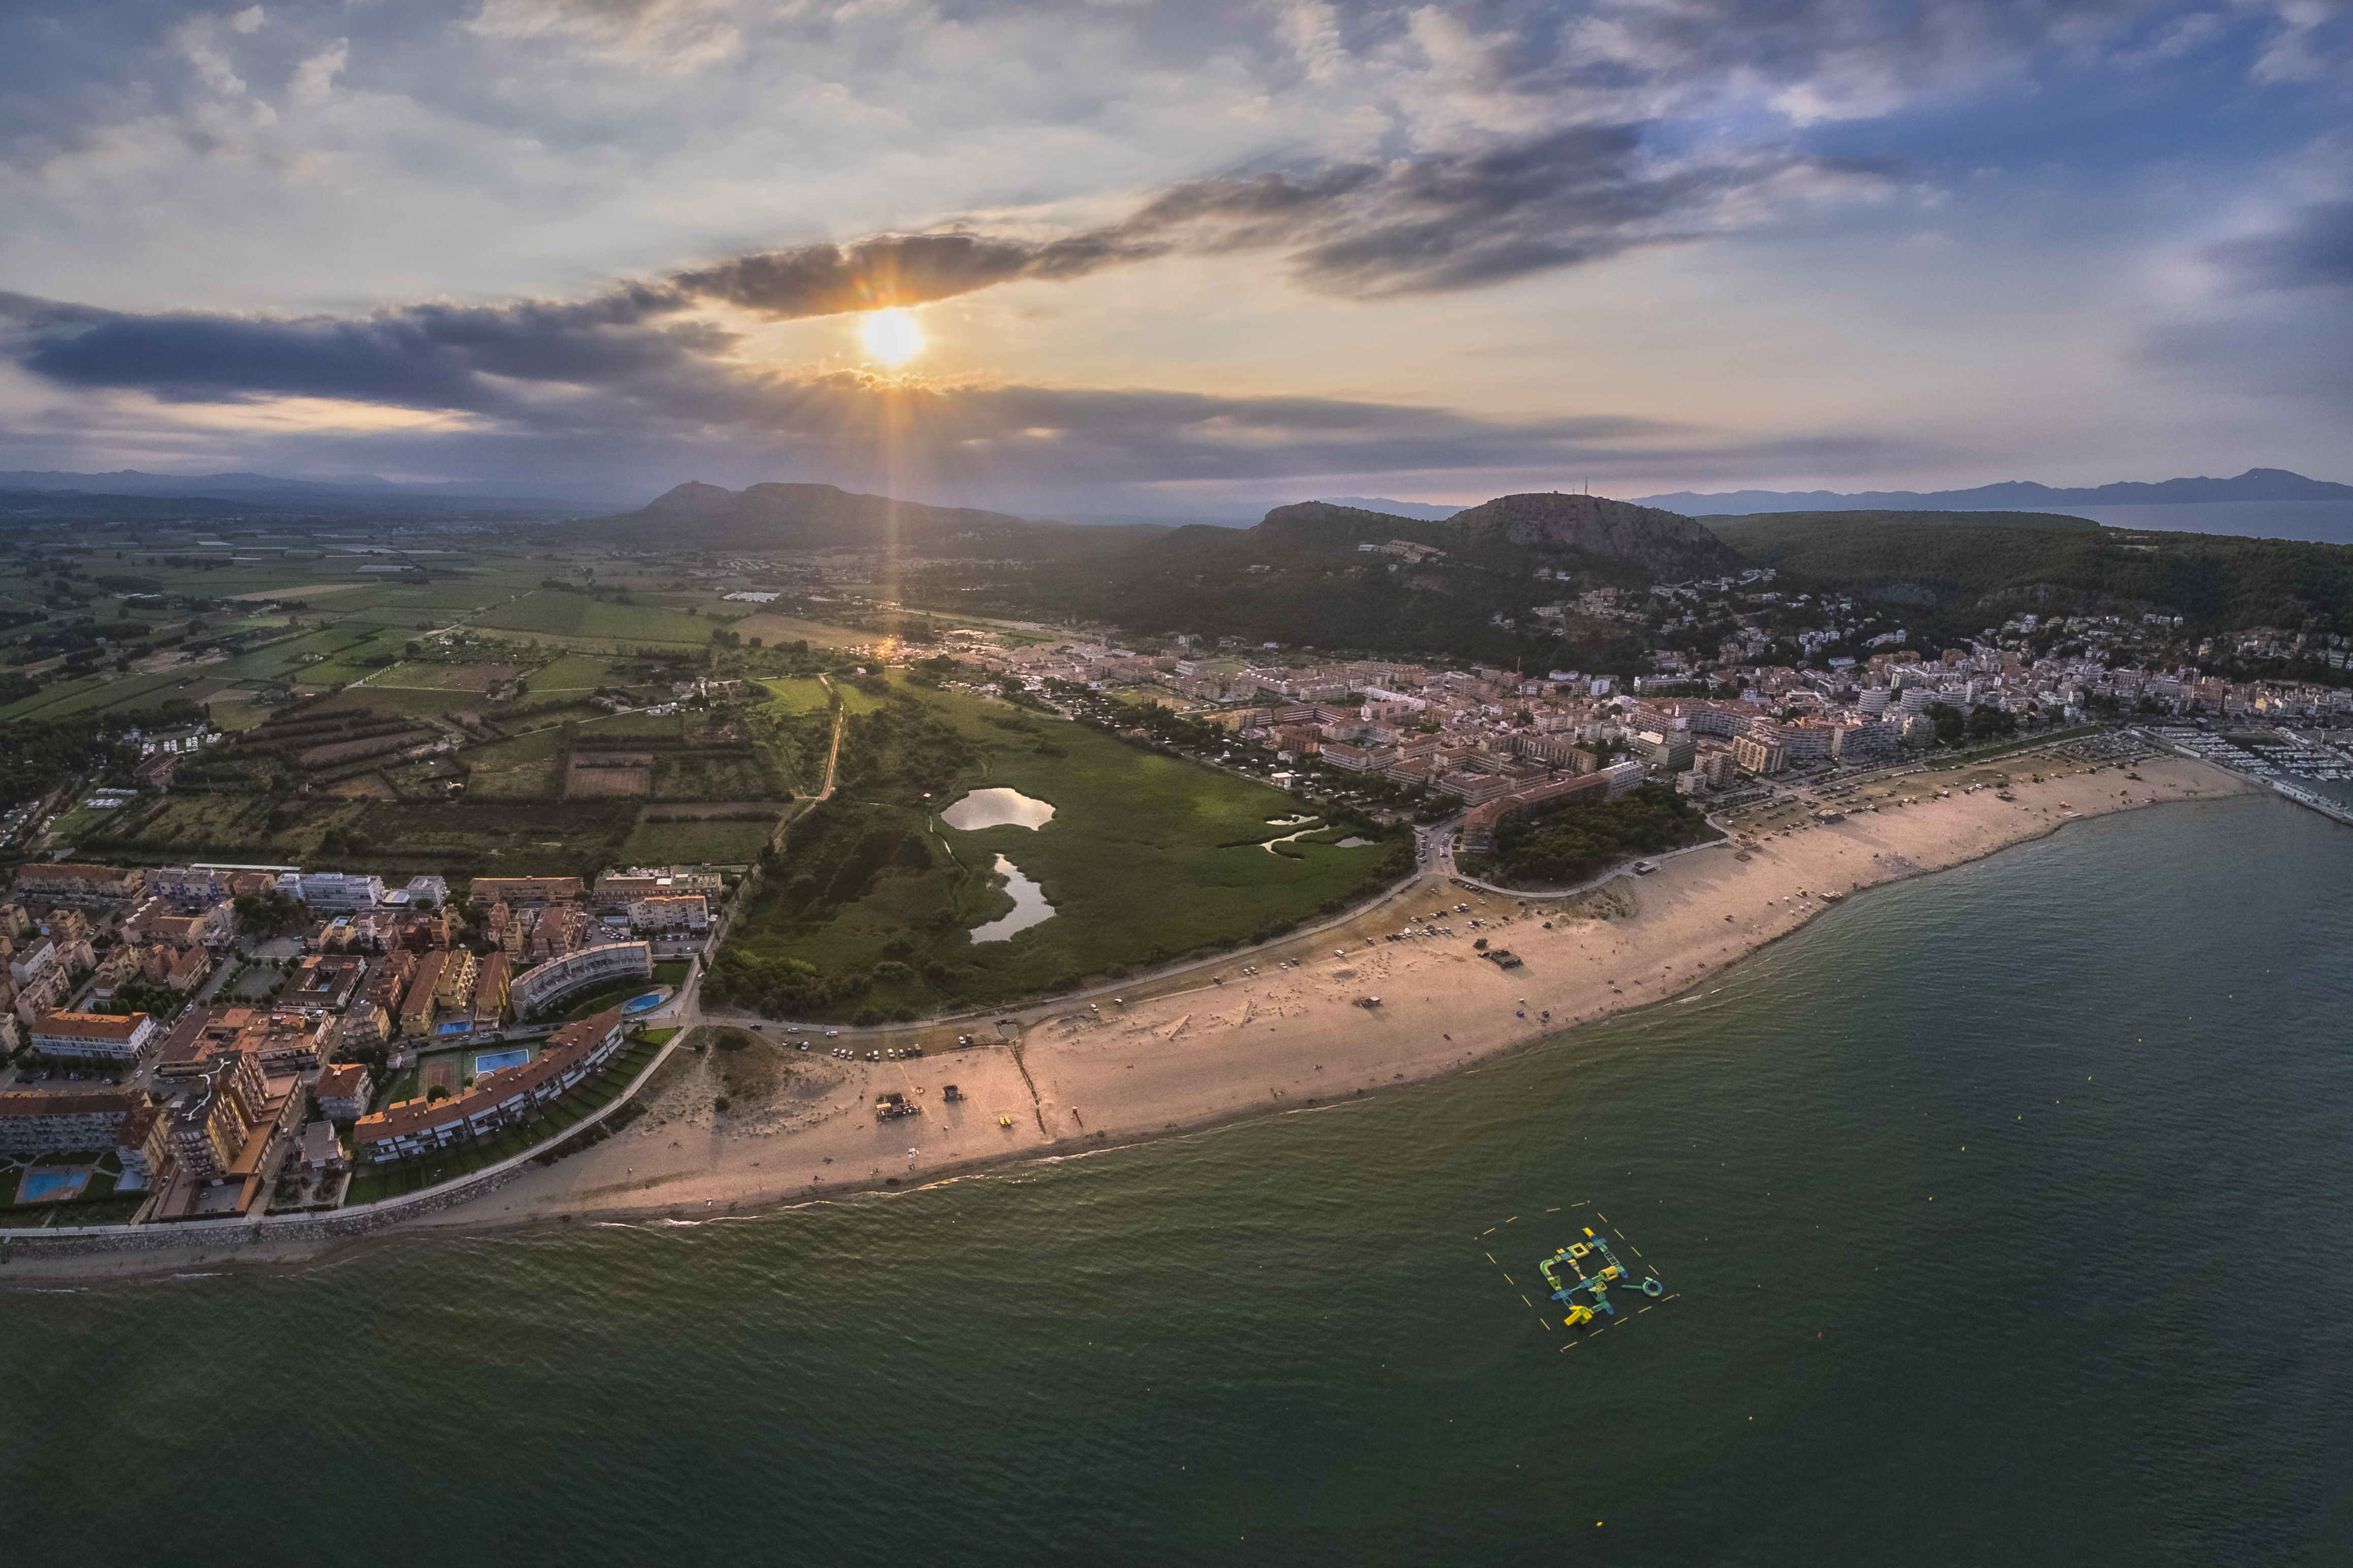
708	841
460	837
775	630
872	909
521	769
577	615
575	672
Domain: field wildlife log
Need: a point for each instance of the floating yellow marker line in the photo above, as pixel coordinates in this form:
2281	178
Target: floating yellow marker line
1531	1306
1572	1345
1491	1257
1507	1222
1552	1210
1491	1230
1507	1279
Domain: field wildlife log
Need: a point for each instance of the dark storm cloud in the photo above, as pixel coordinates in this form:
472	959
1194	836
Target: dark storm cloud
1465	220
2313	249
890	269
420	356
1442	221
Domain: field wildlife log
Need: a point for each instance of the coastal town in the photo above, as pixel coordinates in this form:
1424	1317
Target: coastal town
233	1042
210	1041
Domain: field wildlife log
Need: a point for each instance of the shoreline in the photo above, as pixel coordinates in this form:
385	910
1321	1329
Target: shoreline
1192	1053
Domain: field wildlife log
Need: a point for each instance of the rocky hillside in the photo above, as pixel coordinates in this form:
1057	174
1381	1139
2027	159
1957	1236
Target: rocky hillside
1667	542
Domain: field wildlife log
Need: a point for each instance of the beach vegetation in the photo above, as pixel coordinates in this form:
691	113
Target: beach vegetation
1583	838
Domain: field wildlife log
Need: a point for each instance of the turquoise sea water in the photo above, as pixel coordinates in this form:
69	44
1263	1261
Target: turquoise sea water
2007	1210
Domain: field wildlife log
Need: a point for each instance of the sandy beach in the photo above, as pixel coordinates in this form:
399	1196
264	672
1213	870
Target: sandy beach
1277	1028
1282	1027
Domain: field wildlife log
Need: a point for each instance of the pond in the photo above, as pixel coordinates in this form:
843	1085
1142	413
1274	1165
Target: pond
997	808
1029	905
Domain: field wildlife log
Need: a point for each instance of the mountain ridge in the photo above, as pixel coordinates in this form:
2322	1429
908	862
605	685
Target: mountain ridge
2012	495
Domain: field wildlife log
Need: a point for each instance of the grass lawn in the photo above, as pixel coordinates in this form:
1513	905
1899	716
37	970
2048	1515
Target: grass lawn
1148	857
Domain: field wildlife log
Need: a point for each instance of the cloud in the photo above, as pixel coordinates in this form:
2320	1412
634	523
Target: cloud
1443	221
618	389
2313	249
668	37
314	79
419	356
889	271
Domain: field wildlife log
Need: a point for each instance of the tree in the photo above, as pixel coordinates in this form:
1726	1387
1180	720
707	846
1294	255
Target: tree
1985	723
1949	722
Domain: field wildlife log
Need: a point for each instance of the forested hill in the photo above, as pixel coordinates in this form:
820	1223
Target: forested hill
1964	570
1303	575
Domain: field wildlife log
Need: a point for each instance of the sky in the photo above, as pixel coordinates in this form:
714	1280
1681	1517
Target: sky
1134	258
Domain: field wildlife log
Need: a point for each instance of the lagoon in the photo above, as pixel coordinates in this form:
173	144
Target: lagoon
997	808
1029	905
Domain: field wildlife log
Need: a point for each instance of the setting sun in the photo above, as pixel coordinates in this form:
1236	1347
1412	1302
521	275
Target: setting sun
891	336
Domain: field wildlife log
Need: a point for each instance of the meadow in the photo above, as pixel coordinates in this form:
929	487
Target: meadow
1148	857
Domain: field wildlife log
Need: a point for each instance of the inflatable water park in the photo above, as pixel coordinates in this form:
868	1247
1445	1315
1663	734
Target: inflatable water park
1586	1284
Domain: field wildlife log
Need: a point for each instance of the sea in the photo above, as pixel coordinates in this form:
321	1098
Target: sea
2000	1217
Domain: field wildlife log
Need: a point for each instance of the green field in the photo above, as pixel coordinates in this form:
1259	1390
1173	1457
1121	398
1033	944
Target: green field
706	843
577	615
573	672
792	696
1148	857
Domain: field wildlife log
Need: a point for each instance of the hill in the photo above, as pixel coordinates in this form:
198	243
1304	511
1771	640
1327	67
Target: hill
827	517
1963	571
1303	576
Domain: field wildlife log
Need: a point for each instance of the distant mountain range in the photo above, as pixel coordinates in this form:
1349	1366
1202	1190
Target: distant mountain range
827	517
342	489
2011	495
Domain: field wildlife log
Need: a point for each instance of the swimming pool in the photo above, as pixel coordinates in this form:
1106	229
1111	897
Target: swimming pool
643	1004
50	1184
456	1026
491	1061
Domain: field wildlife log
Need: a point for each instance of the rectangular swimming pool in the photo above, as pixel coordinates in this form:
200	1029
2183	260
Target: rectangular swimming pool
50	1184
491	1061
